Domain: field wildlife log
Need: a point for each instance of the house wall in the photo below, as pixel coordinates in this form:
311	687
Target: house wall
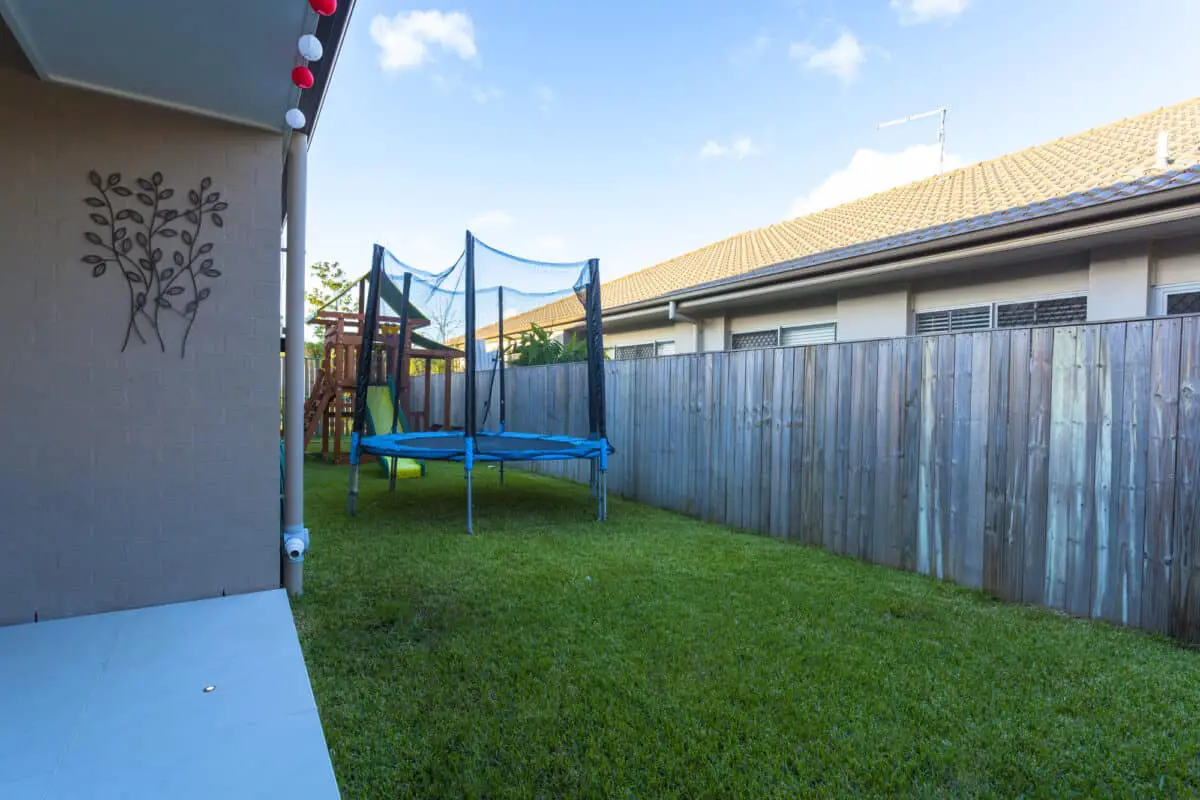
873	314
1119	282
138	477
805	314
639	336
1176	261
1027	281
714	335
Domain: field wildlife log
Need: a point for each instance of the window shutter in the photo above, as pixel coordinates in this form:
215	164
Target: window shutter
974	318
797	335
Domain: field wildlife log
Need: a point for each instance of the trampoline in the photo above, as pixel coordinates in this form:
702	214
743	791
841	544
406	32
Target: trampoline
491	446
516	293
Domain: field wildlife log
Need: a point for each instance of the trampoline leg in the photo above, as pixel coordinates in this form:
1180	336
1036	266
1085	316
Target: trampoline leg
470	509
392	474
598	481
604	495
593	488
501	473
352	495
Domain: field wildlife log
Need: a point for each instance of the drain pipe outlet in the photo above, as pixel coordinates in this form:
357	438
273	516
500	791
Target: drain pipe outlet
295	543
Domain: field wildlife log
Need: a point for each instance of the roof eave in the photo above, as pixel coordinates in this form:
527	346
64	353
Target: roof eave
331	31
785	271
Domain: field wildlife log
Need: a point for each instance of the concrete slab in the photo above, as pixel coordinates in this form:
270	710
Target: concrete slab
113	705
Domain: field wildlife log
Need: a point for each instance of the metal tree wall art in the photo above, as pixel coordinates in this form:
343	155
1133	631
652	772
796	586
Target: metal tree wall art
134	242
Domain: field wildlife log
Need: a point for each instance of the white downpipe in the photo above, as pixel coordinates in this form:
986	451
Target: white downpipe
675	315
295	535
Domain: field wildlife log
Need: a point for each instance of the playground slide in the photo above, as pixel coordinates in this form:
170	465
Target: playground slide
379	420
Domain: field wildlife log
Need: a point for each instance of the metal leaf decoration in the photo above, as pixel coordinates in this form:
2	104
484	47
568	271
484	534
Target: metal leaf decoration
138	253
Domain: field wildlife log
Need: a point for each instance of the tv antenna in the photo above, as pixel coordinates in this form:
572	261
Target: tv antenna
941	130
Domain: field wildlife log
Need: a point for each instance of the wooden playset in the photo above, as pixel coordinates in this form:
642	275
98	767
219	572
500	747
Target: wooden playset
330	405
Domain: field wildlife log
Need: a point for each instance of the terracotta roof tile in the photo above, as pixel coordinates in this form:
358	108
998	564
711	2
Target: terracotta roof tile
1120	151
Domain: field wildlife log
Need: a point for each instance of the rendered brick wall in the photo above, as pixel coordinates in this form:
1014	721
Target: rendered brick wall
136	478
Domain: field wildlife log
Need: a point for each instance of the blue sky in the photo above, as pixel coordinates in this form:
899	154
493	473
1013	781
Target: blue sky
636	131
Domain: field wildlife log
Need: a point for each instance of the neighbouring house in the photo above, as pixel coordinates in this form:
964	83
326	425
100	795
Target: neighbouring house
151	154
1101	225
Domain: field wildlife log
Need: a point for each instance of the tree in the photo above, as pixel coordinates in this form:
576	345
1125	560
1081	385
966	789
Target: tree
443	319
536	346
329	281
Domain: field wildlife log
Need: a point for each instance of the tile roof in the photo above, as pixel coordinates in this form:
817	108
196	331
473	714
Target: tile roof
1118	158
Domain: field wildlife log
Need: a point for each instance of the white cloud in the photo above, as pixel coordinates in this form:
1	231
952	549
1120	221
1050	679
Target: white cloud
406	40
484	96
546	98
841	59
914	12
739	148
871	171
495	218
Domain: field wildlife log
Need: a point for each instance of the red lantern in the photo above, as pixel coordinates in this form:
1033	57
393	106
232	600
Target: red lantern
323	7
302	77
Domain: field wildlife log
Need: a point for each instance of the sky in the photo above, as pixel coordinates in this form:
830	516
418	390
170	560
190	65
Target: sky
634	131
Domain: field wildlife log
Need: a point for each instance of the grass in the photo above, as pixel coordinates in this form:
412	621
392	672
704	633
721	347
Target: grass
654	656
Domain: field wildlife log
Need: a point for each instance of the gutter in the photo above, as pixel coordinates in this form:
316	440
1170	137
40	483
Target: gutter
830	279
1107	218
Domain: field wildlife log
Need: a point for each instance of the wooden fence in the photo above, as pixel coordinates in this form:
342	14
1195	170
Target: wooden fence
1053	466
311	365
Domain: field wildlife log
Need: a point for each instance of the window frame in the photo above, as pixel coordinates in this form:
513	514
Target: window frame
653	343
1161	293
778	331
993	305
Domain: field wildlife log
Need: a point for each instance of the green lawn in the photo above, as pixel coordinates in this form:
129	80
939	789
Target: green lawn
654	656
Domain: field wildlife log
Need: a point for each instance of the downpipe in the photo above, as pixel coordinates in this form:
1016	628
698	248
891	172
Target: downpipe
295	544
675	315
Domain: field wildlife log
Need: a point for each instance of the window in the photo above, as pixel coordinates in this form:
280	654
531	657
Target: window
1174	300
1055	311
631	351
662	347
1046	311
755	340
785	335
952	320
796	335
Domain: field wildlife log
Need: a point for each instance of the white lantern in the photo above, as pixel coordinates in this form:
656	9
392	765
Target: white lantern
310	47
294	118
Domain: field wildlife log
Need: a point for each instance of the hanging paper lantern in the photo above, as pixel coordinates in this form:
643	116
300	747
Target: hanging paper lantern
323	7
302	77
310	47
294	118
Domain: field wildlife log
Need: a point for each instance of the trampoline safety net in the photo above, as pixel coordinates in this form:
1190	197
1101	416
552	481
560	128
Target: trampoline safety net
503	311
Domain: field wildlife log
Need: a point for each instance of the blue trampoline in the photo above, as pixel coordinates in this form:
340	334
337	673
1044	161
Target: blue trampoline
519	294
493	446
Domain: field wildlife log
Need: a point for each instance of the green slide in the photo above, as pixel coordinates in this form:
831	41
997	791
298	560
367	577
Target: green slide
379	421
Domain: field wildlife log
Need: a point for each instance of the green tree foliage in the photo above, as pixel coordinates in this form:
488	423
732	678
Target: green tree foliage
537	346
329	280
